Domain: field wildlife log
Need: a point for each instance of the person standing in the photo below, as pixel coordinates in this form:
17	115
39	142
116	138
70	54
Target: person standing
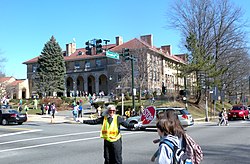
35	102
49	108
42	108
110	132
75	112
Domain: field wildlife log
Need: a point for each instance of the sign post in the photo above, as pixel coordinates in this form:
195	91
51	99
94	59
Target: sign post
113	55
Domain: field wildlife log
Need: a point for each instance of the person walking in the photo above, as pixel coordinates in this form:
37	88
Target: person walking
110	132
53	111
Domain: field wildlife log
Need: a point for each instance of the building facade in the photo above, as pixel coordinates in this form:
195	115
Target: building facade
96	72
14	88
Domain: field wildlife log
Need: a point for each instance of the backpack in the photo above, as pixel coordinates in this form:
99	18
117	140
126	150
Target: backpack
191	152
220	114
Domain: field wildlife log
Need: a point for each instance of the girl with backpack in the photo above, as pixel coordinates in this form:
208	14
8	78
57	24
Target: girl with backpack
175	146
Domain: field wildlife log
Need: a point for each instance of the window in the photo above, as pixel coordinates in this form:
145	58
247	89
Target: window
34	67
77	64
119	78
98	63
79	53
87	64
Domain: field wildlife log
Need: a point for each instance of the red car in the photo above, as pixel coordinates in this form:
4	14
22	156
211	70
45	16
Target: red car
238	111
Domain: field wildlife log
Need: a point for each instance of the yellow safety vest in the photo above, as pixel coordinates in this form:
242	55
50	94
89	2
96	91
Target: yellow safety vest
110	131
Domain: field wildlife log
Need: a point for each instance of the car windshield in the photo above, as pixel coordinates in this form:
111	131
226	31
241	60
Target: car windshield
179	111
9	111
237	108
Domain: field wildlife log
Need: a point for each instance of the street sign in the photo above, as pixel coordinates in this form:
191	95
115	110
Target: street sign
113	55
148	115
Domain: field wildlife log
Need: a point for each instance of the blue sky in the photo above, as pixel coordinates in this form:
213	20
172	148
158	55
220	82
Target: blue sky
26	25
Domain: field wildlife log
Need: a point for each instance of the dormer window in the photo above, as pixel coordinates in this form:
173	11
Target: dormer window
79	53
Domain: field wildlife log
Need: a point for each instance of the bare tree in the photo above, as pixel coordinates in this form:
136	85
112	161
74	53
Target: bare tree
218	32
142	66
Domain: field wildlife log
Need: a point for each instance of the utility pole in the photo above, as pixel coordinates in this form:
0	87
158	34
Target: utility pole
133	89
185	93
249	89
128	56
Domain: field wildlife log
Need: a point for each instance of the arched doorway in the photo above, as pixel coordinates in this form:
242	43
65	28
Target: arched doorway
103	84
80	86
69	87
91	84
23	93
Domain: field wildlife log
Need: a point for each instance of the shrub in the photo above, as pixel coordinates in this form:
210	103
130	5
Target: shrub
98	103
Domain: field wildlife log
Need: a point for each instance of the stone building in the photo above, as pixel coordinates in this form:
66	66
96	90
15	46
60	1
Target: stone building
96	72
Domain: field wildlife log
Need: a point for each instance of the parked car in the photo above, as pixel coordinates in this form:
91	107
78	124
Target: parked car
184	116
8	116
238	111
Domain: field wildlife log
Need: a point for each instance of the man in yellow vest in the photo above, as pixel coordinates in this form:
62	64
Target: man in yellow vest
111	134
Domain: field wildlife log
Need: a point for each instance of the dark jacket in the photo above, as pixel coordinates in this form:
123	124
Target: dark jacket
120	121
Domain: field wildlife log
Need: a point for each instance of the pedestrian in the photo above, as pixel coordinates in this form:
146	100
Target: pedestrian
99	110
110	132
42	108
223	117
80	111
141	110
20	108
35	102
49	109
170	130
75	111
53	111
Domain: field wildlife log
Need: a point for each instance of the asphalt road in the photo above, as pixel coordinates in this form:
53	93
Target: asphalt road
63	143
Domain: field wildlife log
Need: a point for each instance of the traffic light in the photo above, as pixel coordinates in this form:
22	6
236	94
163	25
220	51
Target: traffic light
125	53
88	48
98	46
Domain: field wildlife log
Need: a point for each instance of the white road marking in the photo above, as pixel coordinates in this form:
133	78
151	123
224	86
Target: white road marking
22	132
47	137
56	143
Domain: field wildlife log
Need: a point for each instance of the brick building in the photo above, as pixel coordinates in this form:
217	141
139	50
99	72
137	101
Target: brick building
95	73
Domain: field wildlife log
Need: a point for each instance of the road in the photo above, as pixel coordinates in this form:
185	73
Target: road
63	143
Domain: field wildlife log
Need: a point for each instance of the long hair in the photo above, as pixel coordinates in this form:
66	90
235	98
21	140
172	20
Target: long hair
169	123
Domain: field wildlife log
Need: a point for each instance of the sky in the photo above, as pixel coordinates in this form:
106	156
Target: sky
26	25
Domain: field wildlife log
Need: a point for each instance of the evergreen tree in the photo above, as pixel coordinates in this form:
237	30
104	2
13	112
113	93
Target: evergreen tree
50	77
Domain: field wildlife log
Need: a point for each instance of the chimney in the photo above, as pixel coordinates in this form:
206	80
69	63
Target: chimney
70	48
119	40
148	39
166	49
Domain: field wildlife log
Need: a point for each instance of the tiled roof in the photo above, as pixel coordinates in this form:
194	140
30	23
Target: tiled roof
75	55
137	43
14	83
4	79
131	44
